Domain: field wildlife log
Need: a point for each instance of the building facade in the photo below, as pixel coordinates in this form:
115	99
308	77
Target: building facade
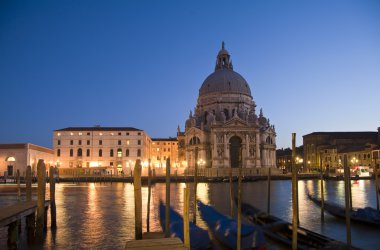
17	156
224	130
328	148
113	149
162	149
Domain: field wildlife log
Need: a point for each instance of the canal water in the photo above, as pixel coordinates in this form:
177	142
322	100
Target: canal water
101	215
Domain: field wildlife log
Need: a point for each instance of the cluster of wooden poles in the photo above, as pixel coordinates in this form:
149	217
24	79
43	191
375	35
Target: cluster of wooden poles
347	194
36	219
295	203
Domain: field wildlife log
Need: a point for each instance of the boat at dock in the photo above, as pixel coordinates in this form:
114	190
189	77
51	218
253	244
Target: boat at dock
199	238
281	231
367	215
224	229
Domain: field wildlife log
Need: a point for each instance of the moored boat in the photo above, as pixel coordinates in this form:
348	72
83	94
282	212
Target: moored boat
367	215
199	238
224	229
282	231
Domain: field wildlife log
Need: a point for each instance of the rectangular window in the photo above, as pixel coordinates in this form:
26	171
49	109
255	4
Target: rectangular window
100	142
80	142
119	142
88	133
119	133
88	153
59	142
88	142
58	152
168	149
111	163
71	142
139	142
119	153
138	133
127	133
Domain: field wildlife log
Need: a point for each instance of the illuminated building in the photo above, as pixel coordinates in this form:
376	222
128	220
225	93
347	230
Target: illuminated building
330	148
162	149
224	130
19	155
114	149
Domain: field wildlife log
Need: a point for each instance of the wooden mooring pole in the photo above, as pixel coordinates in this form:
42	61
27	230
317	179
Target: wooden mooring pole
138	200
231	195
195	186
30	219
347	200
322	191
186	206
268	199
376	183
294	193
149	194
53	210
41	178
239	212
167	205
18	184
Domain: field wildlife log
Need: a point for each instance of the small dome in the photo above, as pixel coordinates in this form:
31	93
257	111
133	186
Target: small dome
225	81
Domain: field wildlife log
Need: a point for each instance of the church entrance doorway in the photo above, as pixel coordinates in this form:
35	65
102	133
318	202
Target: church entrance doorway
235	152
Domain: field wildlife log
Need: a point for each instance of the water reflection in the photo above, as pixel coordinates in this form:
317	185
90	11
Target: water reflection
95	215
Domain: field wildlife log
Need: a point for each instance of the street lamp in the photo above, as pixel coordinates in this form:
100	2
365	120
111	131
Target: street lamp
201	162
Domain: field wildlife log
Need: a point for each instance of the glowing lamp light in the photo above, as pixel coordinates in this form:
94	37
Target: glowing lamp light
94	164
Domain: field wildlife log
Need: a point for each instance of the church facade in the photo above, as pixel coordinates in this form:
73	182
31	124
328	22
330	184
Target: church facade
224	130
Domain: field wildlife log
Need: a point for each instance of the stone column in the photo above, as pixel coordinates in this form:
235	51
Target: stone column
258	157
215	149
247	143
225	150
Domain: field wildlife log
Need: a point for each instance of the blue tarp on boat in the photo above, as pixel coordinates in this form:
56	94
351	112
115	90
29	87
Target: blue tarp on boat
199	238
225	229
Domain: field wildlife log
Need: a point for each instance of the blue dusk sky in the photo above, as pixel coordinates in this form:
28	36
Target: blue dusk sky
311	65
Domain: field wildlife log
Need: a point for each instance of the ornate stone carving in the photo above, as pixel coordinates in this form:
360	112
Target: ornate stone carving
220	151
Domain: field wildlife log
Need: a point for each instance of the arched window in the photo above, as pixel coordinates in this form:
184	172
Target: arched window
119	152
205	117
100	153
58	152
195	140
79	152
268	140
88	152
71	152
127	153
138	152
226	114
111	152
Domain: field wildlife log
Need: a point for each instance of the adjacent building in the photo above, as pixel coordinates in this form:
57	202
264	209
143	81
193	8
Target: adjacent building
111	149
162	149
328	148
224	130
17	156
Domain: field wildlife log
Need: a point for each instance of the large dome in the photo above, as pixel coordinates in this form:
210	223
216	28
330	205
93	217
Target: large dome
224	79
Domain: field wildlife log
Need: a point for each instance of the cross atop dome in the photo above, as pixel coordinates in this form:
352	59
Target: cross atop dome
223	59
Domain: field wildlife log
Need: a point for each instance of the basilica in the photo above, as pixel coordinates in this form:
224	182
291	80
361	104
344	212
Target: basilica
224	130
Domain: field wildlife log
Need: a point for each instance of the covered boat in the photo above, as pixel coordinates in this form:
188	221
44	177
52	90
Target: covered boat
282	231
224	229
368	215
199	238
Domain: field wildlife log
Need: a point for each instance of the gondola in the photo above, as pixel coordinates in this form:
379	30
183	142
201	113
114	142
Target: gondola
199	238
368	215
224	229
281	231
